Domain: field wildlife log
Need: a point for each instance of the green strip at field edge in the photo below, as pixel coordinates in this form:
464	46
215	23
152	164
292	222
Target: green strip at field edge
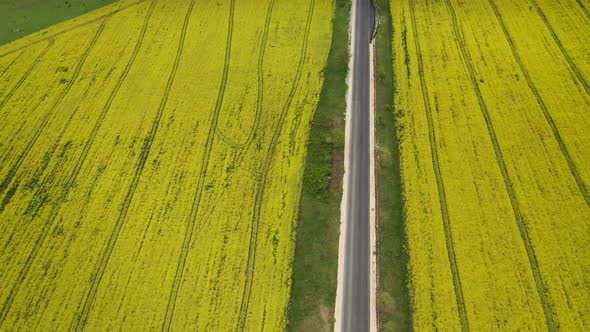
21	18
392	293
315	264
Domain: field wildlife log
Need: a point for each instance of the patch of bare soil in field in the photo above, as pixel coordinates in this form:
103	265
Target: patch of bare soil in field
321	321
336	172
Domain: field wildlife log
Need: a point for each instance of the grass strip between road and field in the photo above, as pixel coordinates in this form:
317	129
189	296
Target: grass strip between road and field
315	264
392	292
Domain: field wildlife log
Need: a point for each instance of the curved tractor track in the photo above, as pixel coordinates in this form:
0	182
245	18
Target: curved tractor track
54	195
89	302
202	175
260	96
264	174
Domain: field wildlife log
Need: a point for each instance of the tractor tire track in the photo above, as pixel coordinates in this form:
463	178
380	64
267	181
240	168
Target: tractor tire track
73	177
9	95
71	28
8	303
202	174
8	178
584	8
48	156
16	58
579	182
37	174
261	186
105	257
548	310
21	127
260	96
564	52
460	301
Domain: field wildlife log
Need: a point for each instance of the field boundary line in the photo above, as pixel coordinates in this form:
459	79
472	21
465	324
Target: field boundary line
49	115
561	48
64	30
32	66
202	174
439	180
264	173
232	143
539	282
580	183
8	303
145	151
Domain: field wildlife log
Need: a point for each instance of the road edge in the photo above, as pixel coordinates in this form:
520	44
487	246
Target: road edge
343	205
315	261
393	304
372	198
345	195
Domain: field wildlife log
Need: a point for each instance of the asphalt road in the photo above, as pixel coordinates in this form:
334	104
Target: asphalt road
356	279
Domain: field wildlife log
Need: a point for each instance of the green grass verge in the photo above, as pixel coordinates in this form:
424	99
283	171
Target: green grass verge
19	18
315	265
392	297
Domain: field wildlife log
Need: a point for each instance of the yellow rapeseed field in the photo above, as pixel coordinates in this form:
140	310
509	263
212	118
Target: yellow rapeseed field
493	105
151	157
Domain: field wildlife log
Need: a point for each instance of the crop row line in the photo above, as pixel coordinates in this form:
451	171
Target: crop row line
561	48
49	115
40	194
52	111
439	180
32	66
260	96
14	290
95	129
202	175
261	186
540	284
580	183
145	151
16	58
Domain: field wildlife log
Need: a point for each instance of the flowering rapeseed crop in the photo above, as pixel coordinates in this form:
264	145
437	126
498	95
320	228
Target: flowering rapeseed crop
492	99
151	157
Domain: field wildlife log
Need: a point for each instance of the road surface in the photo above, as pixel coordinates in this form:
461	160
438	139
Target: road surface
355	314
